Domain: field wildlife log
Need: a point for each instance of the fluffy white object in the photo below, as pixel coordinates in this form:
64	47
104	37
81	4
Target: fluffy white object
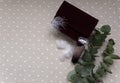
62	44
68	52
58	22
67	49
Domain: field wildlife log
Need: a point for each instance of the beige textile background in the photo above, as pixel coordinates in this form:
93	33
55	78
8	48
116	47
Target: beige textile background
28	52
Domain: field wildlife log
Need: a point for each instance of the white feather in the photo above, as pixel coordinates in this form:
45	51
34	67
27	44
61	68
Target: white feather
58	22
67	49
62	44
68	52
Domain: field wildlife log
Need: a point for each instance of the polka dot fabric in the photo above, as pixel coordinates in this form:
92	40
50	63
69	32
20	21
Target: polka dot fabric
28	52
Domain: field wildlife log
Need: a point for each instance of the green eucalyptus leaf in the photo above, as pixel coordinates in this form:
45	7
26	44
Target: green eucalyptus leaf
105	53
101	71
97	42
87	70
91	79
106	67
75	79
110	49
86	56
97	77
106	29
111	41
89	64
85	80
99	39
71	73
108	60
84	72
78	68
80	81
93	50
113	56
81	62
90	67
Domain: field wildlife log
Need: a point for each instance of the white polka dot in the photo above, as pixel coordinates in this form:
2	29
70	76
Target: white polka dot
24	79
111	80
6	78
29	75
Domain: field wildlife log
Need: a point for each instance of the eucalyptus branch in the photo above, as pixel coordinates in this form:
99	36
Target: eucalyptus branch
83	72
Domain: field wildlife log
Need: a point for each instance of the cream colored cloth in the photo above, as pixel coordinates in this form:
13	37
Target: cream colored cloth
28	52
